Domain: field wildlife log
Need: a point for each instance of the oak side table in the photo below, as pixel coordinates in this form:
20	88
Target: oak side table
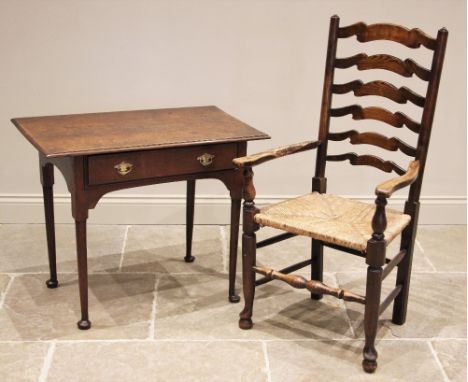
103	152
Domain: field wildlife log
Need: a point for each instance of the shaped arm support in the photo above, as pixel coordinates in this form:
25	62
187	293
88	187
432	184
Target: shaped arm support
265	156
376	245
387	188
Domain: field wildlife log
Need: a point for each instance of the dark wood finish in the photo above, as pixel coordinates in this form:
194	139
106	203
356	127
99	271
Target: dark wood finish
393	263
412	38
81	251
316	271
324	124
275	239
344	249
412	204
375	139
379	88
319	184
405	68
105	152
236	201
287	270
386	189
428	113
367	160
47	180
249	250
189	220
375	253
408	238
159	163
265	156
397	119
375	258
389	299
234	235
313	286
103	133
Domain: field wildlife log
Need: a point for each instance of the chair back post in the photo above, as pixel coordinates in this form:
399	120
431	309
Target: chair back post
428	113
319	180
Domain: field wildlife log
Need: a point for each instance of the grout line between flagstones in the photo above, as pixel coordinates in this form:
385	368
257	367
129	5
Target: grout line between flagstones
431	264
47	362
267	361
437	361
418	244
17	274
152	322
351	328
124	244
237	340
264	342
7	288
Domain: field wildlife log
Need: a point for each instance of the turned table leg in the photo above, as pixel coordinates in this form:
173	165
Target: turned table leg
47	180
233	244
189	220
81	251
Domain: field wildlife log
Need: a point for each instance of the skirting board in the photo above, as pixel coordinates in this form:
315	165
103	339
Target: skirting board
209	209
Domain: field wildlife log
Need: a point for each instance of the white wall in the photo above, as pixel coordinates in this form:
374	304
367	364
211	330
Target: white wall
260	60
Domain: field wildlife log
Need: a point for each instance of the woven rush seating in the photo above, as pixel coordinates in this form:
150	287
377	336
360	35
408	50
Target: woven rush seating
330	218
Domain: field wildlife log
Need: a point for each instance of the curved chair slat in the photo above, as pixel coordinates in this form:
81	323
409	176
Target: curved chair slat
388	62
412	38
367	160
397	119
374	139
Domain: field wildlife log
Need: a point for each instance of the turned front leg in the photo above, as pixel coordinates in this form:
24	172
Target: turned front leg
47	180
248	250
375	258
81	251
371	317
234	236
248	279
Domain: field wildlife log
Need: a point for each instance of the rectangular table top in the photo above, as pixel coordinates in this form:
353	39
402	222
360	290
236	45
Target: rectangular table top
98	133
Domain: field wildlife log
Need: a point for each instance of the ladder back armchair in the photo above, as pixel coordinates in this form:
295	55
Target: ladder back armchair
351	226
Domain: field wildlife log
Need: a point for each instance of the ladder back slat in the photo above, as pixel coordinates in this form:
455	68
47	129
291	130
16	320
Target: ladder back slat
404	68
412	38
397	119
367	160
379	88
375	139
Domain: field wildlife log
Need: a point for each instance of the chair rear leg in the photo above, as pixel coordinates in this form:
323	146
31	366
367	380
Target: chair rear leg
317	265
400	306
408	238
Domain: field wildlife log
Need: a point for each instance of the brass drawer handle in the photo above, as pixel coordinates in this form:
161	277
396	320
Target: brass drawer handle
123	168
206	159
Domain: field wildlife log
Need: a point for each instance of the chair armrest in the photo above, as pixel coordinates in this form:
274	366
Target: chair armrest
387	188
264	156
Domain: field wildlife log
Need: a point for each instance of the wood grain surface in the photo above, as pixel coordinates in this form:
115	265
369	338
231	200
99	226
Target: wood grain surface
97	133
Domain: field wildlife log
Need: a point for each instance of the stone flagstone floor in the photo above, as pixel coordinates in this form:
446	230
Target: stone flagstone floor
156	318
